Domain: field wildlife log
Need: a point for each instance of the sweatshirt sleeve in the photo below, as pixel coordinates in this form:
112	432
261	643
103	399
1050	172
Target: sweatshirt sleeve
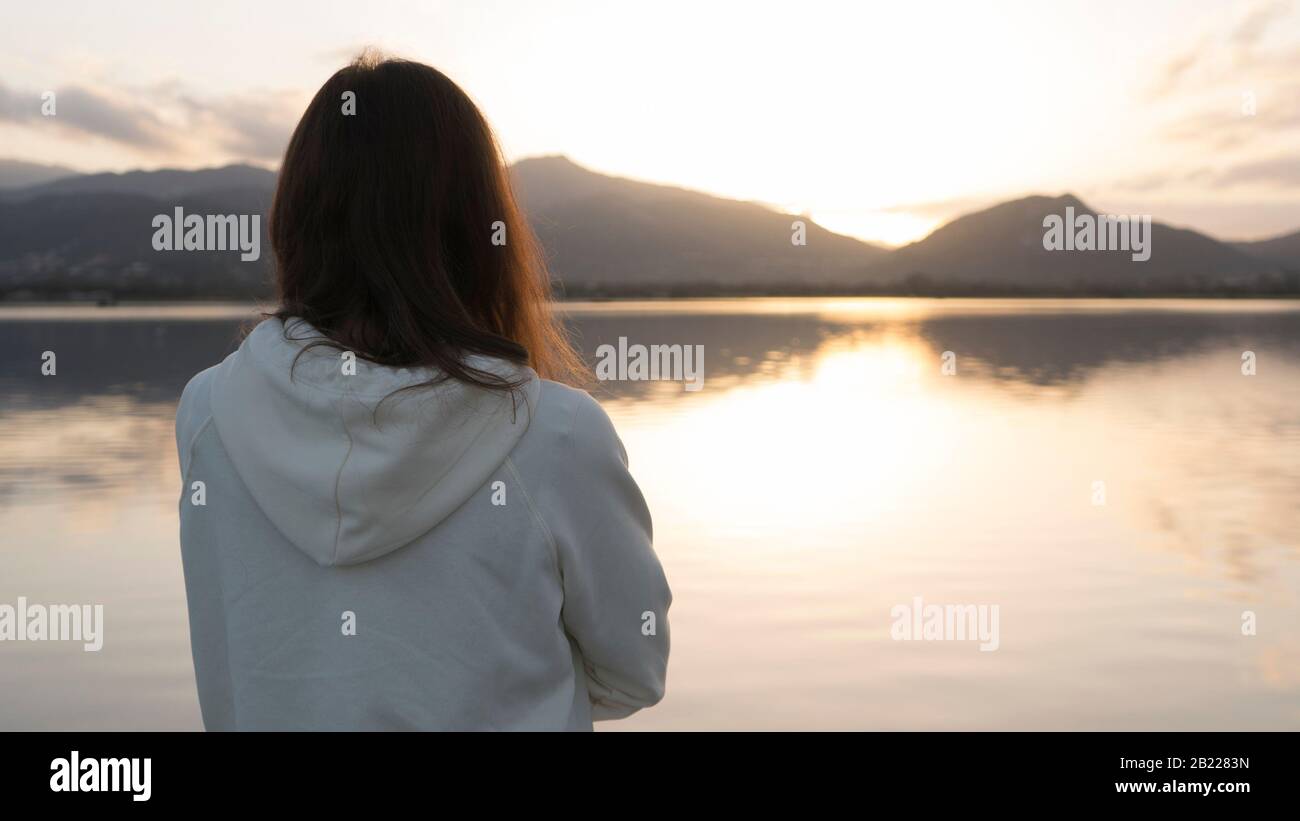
203	591
616	597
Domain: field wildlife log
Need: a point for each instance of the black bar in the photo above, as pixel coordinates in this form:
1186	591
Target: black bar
1047	770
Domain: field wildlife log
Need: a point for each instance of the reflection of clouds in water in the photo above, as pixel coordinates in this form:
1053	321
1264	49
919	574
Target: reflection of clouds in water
1211	458
84	456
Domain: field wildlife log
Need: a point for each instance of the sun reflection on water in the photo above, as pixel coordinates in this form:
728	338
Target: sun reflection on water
828	471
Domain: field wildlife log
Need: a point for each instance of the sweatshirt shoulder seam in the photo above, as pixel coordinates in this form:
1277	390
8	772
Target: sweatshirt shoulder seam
552	547
189	449
338	501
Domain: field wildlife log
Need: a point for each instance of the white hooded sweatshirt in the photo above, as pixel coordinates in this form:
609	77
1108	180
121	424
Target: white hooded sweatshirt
456	559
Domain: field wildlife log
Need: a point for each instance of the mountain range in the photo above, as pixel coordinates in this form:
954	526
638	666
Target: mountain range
65	234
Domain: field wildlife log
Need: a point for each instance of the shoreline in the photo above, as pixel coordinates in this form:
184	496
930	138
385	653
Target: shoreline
221	310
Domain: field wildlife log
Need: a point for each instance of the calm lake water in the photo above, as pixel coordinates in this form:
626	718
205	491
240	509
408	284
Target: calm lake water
827	472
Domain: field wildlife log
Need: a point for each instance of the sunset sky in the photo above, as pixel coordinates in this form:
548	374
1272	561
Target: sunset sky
880	120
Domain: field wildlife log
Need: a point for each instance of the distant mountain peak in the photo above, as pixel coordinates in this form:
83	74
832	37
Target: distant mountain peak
1003	246
1047	202
551	166
1071	200
159	183
548	159
20	173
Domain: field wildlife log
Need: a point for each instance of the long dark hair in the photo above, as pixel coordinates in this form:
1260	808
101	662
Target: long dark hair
383	229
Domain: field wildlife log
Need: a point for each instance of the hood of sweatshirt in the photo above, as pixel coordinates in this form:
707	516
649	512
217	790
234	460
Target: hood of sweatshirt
342	477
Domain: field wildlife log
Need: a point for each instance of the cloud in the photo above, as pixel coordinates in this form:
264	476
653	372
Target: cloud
1220	56
1171	74
164	119
253	126
944	209
1256	22
1276	109
1233	108
1146	183
1281	172
89	113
